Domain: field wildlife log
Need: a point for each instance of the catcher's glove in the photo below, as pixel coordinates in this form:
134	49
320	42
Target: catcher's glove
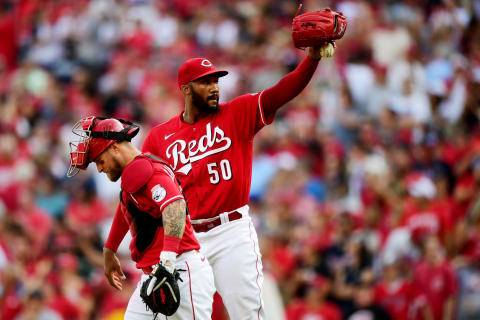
314	29
160	291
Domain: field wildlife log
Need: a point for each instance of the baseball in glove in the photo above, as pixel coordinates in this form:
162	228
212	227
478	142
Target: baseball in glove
314	29
160	291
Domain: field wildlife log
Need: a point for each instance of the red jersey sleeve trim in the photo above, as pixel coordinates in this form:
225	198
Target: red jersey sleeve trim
262	114
260	108
167	202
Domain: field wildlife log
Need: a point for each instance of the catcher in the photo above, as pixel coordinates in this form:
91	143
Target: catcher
177	279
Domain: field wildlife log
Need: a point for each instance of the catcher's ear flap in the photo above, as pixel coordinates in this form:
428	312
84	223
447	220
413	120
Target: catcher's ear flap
298	10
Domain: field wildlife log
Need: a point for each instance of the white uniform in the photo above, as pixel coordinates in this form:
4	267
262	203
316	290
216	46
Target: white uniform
232	259
196	291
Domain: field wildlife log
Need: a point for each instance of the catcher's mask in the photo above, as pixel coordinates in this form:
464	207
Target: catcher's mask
96	135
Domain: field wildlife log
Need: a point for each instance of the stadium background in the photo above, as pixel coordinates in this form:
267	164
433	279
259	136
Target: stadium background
377	157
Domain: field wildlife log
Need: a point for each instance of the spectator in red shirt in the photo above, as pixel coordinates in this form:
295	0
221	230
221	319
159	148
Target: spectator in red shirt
70	296
86	209
422	211
36	221
35	308
140	40
315	305
436	279
397	294
8	45
18	245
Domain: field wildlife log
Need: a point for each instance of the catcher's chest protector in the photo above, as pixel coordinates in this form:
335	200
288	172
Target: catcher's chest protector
144	224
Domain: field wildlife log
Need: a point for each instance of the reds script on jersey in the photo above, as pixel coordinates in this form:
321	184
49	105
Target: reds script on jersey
208	154
150	196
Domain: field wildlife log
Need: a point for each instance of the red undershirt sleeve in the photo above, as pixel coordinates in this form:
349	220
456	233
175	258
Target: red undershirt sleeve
288	87
118	230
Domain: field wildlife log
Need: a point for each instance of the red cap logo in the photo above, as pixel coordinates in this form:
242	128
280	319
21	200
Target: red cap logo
196	68
206	63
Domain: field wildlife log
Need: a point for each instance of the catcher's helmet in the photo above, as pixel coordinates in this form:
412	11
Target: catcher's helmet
96	135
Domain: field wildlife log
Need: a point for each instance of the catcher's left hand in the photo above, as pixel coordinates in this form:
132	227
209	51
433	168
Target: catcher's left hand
160	291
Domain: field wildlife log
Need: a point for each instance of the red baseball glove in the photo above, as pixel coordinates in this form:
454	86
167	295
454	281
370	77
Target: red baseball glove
314	29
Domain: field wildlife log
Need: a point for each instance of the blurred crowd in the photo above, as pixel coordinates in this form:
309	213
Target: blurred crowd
365	190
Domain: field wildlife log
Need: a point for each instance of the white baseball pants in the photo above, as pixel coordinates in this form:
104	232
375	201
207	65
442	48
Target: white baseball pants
233	252
196	291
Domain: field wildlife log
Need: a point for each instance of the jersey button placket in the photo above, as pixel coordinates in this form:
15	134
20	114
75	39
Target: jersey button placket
194	165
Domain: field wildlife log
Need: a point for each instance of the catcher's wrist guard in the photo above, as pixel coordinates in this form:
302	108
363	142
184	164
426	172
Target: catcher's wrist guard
314	29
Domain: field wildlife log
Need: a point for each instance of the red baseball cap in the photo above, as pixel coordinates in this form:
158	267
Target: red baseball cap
196	68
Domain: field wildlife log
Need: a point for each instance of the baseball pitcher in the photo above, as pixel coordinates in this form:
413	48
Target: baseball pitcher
209	146
177	279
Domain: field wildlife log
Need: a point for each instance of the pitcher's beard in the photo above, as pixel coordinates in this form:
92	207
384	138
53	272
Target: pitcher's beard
203	105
